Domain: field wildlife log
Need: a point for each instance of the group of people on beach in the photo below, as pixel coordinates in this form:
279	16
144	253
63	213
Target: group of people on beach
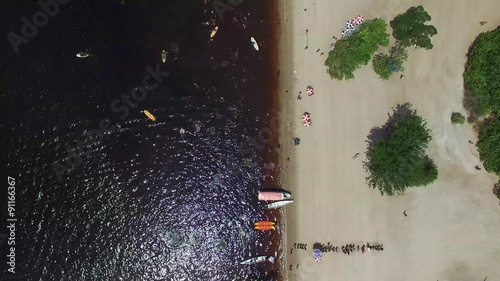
349	248
299	246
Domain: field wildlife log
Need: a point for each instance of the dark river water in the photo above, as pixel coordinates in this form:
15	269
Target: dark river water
104	193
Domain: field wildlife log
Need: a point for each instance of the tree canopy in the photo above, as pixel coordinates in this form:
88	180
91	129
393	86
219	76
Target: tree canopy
357	49
384	64
396	153
409	28
482	71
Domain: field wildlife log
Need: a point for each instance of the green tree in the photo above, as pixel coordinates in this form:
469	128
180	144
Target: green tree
396	153
409	28
383	64
489	144
457	118
357	49
482	74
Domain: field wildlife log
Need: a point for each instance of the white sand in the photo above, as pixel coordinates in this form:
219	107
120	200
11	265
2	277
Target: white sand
452	231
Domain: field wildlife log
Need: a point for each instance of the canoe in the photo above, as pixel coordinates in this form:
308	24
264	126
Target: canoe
265	223
214	31
82	55
273	195
163	56
257	259
254	43
264	227
278	204
149	115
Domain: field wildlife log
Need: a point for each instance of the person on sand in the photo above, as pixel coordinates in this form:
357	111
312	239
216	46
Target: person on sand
483	22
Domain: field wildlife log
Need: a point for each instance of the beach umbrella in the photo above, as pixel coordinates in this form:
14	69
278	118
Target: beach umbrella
296	141
317	253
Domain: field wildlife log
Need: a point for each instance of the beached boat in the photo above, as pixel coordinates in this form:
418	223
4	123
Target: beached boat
163	56
257	259
214	31
149	115
254	43
278	204
273	195
82	55
264	225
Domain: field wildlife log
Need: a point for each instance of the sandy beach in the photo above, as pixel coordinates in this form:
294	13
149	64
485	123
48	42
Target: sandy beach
452	228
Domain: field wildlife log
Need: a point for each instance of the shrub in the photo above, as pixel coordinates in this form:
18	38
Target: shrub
396	153
409	28
489	144
457	118
496	189
357	49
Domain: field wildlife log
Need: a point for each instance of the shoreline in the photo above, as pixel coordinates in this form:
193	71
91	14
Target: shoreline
287	89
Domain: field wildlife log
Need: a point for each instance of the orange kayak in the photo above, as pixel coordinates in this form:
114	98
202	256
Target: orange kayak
264	227
264	223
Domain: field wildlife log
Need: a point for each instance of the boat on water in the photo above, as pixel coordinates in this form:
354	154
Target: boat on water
214	31
278	204
163	56
257	259
264	225
273	195
82	55
149	115
254	43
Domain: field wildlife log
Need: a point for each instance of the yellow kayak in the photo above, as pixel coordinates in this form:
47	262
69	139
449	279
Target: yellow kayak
149	115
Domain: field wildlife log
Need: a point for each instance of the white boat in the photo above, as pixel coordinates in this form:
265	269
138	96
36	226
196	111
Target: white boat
214	31
82	55
163	56
278	204
254	43
258	259
273	195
